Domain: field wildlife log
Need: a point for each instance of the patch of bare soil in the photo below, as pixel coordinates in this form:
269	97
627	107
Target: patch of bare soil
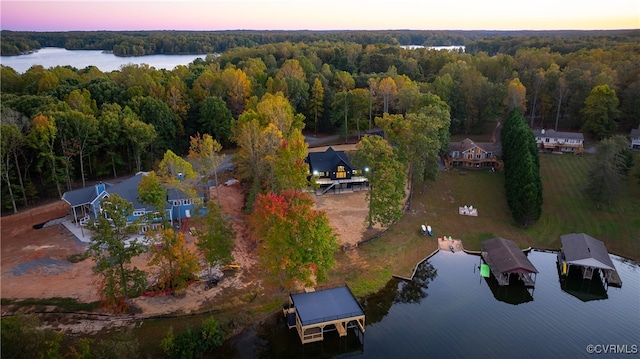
35	261
347	214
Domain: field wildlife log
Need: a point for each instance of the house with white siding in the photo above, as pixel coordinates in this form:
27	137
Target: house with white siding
557	141
634	137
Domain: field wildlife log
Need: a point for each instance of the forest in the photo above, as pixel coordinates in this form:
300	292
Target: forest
139	43
62	126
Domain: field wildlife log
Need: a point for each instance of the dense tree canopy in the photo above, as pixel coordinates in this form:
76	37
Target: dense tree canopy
330	80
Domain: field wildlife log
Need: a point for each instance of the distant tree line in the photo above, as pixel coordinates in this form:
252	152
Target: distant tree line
138	43
61	125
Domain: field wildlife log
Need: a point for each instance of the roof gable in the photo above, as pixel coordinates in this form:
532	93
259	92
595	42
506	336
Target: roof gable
507	257
82	196
582	249
328	160
468	144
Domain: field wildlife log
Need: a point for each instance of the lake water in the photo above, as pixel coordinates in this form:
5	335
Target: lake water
448	48
106	62
450	311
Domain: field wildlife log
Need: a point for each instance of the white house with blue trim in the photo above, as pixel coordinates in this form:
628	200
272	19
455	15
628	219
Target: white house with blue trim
85	203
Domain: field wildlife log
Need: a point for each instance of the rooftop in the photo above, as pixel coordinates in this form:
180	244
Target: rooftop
325	305
582	249
507	257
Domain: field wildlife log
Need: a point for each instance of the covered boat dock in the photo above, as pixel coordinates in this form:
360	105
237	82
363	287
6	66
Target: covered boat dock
313	313
580	250
505	258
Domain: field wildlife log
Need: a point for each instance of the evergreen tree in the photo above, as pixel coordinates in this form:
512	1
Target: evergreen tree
523	184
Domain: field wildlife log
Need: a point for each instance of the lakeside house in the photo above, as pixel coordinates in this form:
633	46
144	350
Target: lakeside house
474	155
634	138
332	170
85	203
559	142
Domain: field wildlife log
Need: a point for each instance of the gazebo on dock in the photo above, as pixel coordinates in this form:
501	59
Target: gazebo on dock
314	312
505	258
589	254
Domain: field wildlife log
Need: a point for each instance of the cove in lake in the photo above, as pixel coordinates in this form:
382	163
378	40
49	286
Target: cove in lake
106	62
449	311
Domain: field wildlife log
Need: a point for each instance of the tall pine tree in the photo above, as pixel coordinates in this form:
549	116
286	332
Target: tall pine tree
523	184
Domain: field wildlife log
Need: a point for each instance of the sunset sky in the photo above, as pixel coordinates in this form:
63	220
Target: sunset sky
29	15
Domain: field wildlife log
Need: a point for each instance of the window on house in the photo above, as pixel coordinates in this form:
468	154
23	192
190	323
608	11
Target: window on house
546	140
139	213
341	172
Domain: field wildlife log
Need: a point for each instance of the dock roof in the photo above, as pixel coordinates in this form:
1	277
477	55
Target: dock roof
507	257
326	305
584	250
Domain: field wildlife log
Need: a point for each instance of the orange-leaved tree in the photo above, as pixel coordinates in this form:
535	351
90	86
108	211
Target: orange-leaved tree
297	243
174	263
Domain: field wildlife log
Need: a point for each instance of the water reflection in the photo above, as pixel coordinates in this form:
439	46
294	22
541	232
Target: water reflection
415	290
377	305
583	289
466	316
515	293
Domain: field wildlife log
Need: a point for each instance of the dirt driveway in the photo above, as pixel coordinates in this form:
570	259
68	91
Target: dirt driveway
35	261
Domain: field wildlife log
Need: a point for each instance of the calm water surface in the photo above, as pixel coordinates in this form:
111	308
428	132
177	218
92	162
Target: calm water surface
449	311
106	62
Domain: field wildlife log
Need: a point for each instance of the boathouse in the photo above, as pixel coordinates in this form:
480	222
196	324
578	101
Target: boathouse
590	255
314	313
505	259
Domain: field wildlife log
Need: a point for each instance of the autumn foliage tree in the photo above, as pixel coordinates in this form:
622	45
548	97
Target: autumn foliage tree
175	265
112	252
297	243
387	177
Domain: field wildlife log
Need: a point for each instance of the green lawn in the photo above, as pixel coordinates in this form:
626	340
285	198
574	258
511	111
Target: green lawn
565	210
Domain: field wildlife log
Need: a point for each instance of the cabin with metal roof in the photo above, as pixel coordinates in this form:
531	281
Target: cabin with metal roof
589	255
474	155
505	259
316	312
332	170
560	142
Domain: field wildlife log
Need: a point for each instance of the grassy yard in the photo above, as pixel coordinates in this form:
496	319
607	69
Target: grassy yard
565	210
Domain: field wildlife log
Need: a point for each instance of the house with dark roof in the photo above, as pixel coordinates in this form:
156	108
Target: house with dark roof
634	137
505	259
332	170
474	155
556	141
589	255
85	203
